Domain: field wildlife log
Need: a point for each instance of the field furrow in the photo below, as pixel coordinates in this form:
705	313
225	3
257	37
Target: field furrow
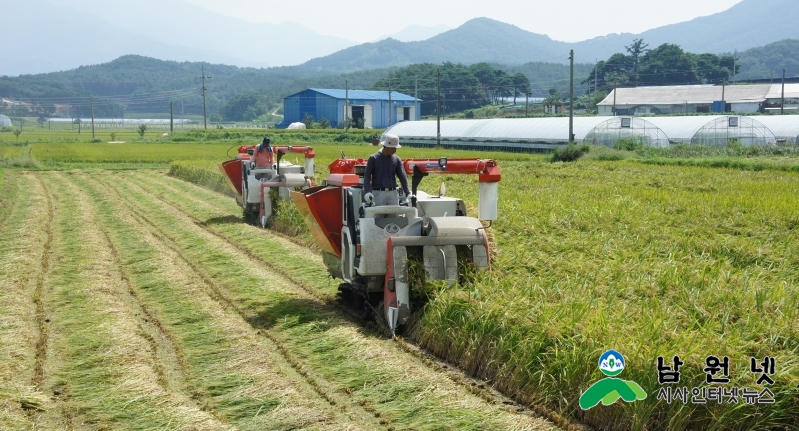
166	357
211	209
375	371
102	368
25	231
8	185
41	273
246	375
325	389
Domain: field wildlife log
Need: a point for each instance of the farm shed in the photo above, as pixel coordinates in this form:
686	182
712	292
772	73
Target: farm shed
784	127
775	96
685	99
371	109
5	121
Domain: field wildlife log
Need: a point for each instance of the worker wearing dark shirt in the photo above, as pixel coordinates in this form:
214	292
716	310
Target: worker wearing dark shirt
382	168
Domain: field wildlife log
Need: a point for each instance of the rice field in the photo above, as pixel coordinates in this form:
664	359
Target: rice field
133	300
652	260
648	260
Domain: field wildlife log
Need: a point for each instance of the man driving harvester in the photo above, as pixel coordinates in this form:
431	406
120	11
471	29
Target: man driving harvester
382	168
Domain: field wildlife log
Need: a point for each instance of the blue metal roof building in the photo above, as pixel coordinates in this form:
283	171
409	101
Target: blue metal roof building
369	108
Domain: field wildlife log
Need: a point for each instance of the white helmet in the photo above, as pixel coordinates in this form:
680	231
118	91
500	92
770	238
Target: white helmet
391	141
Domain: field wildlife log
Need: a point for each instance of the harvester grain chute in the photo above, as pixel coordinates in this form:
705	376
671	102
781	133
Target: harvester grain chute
367	247
252	185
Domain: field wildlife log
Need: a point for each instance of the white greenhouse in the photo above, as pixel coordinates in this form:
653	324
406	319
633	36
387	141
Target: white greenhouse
5	121
536	134
784	127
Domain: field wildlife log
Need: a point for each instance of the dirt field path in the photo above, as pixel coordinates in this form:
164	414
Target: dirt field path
138	301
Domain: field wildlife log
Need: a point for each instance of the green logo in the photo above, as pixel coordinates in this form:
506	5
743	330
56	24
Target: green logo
610	389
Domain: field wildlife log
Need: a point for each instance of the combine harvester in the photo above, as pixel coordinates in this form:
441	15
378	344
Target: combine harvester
367	247
252	186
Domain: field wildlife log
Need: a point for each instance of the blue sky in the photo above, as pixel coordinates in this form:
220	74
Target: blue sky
565	20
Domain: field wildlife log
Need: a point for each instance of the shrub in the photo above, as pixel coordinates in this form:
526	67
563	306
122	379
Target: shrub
608	157
569	153
629	145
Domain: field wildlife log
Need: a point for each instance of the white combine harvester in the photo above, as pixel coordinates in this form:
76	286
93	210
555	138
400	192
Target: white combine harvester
253	186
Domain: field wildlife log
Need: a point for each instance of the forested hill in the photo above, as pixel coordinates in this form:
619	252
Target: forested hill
477	40
748	24
142	84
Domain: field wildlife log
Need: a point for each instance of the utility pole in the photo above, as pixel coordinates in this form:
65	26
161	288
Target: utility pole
734	57
171	119
438	107
526	102
615	87
596	69
723	85
416	97
346	106
571	96
390	106
205	113
92	101
782	97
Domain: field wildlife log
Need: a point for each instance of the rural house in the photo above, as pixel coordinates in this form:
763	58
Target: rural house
367	109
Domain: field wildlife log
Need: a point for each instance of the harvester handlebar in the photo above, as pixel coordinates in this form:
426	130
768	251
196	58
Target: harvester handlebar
487	169
282	149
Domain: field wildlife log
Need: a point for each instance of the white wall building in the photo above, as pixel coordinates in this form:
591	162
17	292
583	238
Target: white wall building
688	99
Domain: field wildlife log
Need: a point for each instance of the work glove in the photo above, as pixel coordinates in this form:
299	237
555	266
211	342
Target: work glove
411	197
368	198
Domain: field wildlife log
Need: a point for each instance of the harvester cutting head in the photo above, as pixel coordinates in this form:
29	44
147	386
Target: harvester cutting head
368	247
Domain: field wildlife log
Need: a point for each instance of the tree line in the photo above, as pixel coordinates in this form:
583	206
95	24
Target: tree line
668	64
460	87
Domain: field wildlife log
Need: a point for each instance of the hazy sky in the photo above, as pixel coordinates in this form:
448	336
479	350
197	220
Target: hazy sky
564	20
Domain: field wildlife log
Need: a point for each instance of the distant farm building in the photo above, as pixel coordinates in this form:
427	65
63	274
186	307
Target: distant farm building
367	109
688	99
5	121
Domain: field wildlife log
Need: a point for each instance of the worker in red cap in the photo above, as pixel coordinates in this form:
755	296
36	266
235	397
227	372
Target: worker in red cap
382	170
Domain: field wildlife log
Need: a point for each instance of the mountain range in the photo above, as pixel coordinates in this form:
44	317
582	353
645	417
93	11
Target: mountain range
748	24
51	36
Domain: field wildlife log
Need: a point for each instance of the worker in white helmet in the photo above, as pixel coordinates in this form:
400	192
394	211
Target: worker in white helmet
382	170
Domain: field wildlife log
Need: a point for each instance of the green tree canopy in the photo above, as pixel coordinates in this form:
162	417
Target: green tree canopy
668	64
